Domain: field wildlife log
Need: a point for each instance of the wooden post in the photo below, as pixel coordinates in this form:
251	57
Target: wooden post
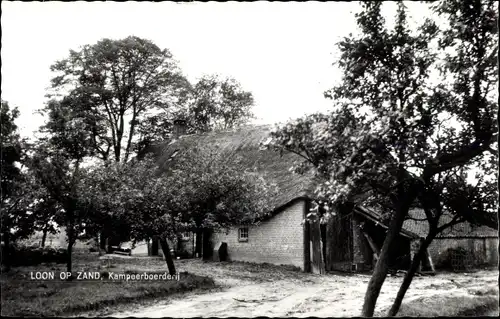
318	265
307	247
376	251
307	238
430	260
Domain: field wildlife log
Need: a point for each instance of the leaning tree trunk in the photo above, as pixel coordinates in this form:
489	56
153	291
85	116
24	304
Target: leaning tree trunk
168	257
382	266
410	274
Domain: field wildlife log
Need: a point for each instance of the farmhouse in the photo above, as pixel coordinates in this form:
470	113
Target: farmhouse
349	242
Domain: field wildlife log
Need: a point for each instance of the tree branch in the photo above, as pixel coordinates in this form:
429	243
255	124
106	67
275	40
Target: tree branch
463	156
457	219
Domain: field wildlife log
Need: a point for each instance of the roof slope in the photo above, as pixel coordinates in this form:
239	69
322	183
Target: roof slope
420	226
375	217
242	146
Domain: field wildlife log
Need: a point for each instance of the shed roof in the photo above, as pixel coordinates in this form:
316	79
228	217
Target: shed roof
374	216
420	226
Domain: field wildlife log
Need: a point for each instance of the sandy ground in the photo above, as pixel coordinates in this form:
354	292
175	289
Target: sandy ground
250	290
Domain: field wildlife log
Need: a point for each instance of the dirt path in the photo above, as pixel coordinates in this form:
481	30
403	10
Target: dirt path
252	290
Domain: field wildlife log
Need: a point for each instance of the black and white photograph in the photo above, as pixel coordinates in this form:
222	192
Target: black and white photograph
189	159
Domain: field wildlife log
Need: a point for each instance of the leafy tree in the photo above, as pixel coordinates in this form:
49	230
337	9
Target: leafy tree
450	194
394	131
218	104
16	188
11	172
104	191
45	210
470	61
218	193
213	103
198	191
11	149
114	85
57	165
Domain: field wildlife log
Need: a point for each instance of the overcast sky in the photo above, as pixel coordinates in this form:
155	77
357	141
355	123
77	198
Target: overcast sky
281	52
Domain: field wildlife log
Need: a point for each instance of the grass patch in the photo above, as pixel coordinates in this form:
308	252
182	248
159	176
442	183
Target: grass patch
24	297
450	306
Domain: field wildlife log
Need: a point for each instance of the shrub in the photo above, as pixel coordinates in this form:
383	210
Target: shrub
30	256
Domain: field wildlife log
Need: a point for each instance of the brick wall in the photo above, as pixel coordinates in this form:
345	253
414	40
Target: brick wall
485	249
278	240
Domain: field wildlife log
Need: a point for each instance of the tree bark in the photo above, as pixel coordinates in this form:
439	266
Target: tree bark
410	274
168	257
382	266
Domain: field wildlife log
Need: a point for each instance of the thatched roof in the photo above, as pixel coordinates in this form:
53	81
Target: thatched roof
242	146
420	226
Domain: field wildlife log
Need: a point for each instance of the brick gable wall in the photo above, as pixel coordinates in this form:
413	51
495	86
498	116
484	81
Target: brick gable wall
278	240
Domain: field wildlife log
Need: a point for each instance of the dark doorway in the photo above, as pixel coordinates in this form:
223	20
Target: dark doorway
198	243
154	247
207	244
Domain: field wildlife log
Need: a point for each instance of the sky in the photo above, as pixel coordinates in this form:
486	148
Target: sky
281	52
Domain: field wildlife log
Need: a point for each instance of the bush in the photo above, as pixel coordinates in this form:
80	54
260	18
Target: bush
30	256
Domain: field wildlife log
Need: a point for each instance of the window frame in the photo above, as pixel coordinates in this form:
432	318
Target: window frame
243	231
184	237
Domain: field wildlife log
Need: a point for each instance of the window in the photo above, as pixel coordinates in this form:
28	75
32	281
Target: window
243	234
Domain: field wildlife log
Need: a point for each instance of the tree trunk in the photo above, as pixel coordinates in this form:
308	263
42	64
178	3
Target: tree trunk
69	264
207	245
98	245
7	256
409	275
44	236
102	241
382	266
154	246
168	256
148	246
